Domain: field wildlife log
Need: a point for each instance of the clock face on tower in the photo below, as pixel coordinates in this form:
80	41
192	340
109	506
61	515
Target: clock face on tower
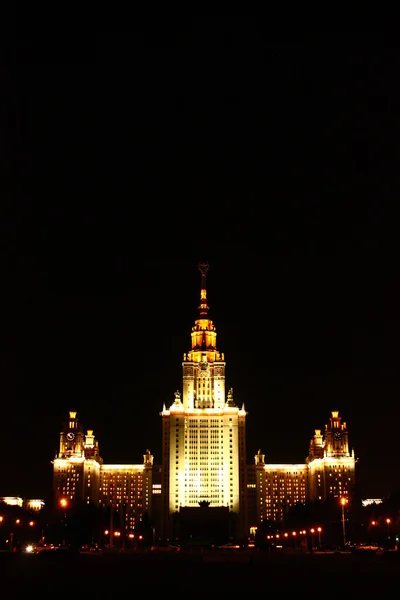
70	436
337	435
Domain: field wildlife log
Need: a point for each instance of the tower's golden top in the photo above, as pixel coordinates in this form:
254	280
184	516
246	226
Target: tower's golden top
203	308
203	333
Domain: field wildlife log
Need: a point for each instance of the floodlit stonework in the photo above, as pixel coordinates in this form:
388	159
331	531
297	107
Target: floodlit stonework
203	455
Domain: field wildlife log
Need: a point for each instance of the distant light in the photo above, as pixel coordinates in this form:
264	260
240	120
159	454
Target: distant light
369	501
31	523
106	532
29	549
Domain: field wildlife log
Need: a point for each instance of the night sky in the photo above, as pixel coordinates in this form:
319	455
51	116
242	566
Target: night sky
129	158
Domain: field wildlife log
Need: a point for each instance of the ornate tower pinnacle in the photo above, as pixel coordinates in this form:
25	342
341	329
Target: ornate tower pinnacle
204	335
203	308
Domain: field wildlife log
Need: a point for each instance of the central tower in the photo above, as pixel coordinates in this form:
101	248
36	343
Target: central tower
203	366
204	435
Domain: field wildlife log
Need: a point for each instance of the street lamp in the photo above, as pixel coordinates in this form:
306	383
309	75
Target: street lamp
117	534
343	502
64	504
319	529
312	531
388	521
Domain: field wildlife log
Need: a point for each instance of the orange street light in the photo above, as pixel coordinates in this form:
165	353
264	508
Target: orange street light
18	521
343	502
294	533
312	531
373	523
64	502
1	519
31	523
106	532
319	529
117	533
388	521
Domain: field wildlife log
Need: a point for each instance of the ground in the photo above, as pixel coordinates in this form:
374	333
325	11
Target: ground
197	575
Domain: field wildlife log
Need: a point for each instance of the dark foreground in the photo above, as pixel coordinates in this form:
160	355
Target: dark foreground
197	575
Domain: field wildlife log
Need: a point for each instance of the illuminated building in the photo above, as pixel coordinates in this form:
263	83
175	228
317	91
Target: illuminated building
331	466
329	470
80	475
274	488
369	501
204	433
203	462
27	504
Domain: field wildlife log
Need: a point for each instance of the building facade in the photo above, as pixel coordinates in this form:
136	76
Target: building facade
203	456
30	504
79	475
204	431
328	471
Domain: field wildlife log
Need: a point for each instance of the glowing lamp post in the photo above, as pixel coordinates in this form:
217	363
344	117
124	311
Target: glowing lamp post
388	522
312	531
117	535
319	529
343	502
64	504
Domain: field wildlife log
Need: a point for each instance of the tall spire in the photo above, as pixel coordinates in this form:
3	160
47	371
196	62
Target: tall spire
203	308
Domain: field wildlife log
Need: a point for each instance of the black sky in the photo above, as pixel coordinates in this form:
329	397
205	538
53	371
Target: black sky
129	157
